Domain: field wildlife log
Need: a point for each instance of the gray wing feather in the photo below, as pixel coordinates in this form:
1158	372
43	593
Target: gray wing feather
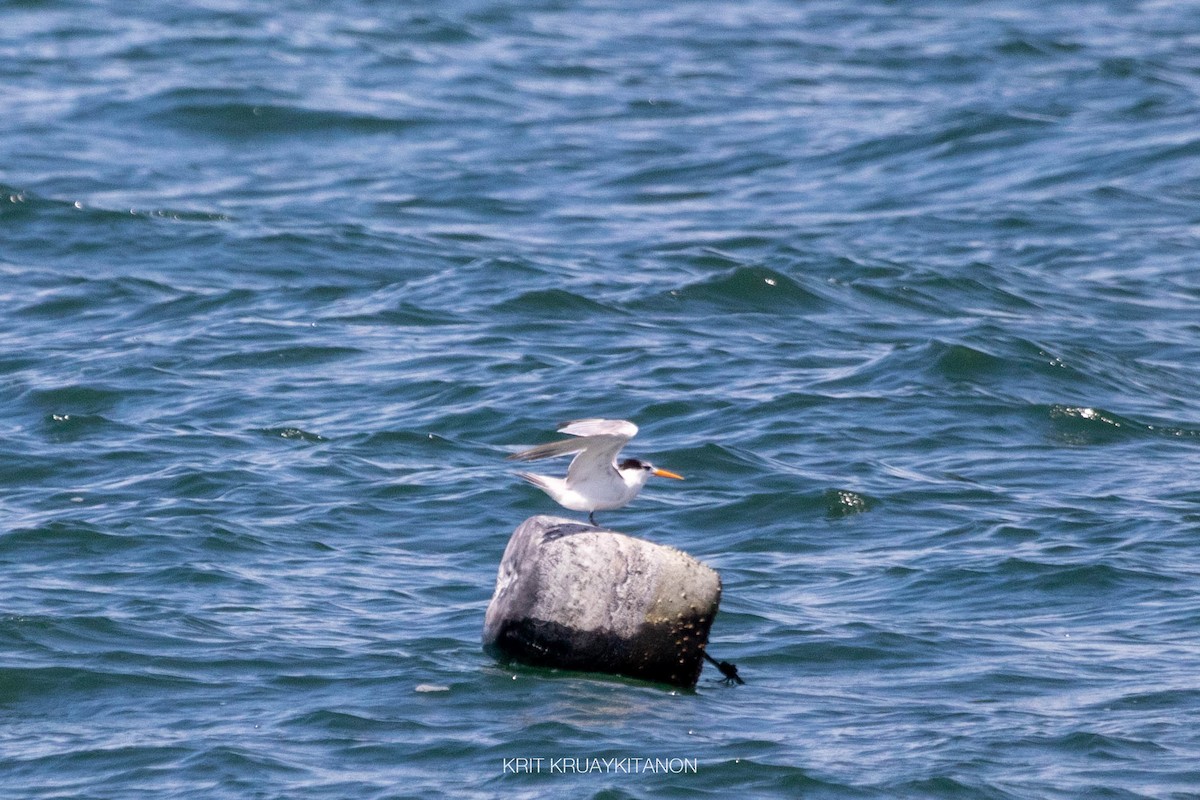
600	427
601	438
600	454
549	450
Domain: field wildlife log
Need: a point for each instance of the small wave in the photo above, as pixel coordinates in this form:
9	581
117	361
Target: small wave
845	503
230	114
401	315
408	439
57	683
962	132
1075	578
194	304
681	176
753	289
16	204
779	500
283	357
228	759
339	722
1153	700
551	304
71	427
1098	745
1083	425
67	298
943	786
1005	367
71	538
1005	360
294	434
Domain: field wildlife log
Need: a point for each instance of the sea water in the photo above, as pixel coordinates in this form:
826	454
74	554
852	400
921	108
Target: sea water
909	292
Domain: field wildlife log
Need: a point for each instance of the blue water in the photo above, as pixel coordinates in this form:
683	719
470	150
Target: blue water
908	292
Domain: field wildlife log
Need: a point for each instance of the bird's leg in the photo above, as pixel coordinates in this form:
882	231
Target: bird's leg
592	518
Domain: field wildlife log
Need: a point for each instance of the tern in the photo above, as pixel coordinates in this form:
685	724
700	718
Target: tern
595	480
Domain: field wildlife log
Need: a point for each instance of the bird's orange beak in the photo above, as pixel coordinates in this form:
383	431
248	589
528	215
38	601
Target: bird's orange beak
662	473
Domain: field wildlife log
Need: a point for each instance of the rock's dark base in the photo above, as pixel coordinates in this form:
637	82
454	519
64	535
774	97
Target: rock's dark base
548	644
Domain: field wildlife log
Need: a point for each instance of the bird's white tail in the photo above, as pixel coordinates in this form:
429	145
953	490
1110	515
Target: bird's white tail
541	481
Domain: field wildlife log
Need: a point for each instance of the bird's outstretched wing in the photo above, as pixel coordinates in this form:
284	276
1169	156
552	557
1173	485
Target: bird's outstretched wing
600	427
598	442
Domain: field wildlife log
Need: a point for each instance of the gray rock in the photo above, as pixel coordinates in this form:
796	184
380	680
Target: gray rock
575	596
